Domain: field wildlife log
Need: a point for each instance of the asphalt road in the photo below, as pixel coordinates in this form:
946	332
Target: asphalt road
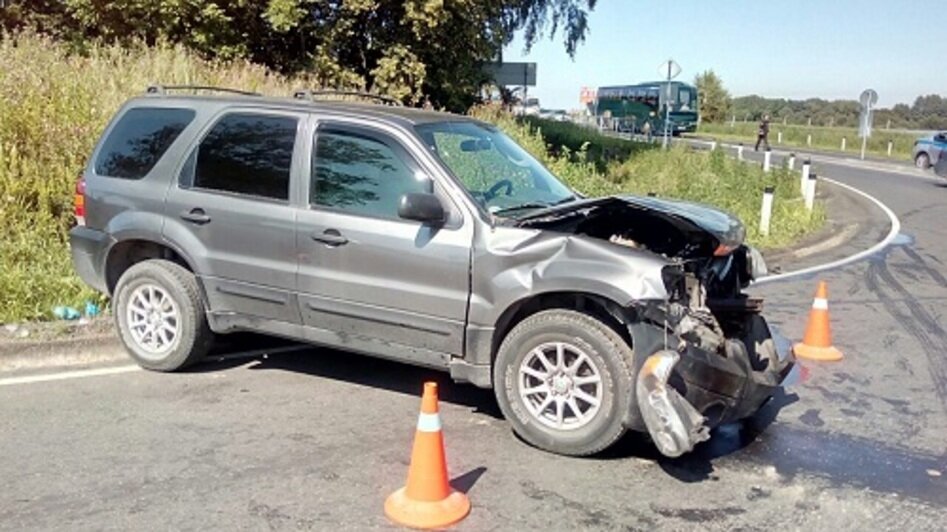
316	439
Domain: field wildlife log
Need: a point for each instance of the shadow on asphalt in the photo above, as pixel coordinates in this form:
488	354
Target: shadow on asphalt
464	483
760	441
362	370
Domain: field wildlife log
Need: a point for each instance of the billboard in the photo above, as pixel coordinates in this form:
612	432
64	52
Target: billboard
513	74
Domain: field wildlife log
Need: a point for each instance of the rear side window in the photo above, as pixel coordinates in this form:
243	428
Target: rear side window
247	154
139	139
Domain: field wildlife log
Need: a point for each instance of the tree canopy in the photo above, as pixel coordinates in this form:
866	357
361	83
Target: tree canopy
403	48
714	100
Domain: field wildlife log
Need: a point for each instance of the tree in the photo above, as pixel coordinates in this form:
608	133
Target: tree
714	100
403	48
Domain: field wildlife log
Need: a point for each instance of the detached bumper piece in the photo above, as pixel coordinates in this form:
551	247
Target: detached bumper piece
675	426
698	376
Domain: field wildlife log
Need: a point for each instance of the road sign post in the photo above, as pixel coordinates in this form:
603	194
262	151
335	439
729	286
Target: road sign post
868	99
670	69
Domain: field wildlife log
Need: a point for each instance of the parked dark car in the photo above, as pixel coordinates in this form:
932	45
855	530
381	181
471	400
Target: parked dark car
428	238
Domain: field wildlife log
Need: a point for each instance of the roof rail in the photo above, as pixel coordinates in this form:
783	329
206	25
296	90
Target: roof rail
162	89
312	94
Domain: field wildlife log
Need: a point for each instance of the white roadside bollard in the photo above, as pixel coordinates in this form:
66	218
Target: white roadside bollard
843	143
779	137
809	140
792	161
713	145
766	160
766	210
740	152
810	192
890	145
804	179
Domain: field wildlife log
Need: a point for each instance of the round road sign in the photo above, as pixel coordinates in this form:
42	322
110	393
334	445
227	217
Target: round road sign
868	98
669	69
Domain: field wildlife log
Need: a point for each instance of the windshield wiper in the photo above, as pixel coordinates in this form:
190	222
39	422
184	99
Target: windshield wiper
536	205
568	199
521	206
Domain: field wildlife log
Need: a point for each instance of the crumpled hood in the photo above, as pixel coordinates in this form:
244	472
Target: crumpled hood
724	227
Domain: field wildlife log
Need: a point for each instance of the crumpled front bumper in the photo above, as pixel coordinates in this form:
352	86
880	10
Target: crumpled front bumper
682	391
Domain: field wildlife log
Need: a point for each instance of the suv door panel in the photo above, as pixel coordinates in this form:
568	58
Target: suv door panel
401	282
249	241
392	280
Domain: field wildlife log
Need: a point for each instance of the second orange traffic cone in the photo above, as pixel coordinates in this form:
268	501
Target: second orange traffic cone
427	500
817	343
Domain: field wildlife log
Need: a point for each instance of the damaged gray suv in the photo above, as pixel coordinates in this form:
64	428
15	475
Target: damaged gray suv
427	238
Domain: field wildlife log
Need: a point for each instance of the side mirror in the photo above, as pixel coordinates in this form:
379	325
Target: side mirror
422	207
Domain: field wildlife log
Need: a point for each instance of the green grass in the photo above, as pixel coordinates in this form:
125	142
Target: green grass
823	138
682	173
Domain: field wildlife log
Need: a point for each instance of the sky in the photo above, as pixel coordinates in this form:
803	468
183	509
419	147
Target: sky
831	49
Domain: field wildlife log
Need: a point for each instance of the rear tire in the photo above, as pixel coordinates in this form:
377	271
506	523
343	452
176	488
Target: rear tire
922	161
589	368
160	315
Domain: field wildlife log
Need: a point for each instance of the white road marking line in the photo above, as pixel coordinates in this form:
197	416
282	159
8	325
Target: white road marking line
895	229
78	374
97	372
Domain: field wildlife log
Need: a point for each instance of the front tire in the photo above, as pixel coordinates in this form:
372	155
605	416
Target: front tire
564	381
922	161
160	315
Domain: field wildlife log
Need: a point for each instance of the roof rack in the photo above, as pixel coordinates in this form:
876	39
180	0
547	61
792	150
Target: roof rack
312	94
162	89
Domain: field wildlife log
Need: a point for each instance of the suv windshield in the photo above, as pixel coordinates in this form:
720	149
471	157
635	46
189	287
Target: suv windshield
500	175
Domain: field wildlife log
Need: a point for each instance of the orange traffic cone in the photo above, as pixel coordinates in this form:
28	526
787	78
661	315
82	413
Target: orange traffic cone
427	501
817	343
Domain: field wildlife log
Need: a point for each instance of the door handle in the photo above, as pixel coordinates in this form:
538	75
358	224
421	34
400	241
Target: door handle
197	216
330	237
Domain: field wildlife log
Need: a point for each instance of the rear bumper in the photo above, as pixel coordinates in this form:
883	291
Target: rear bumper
88	247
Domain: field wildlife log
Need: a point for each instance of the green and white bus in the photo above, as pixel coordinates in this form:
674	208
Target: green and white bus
628	107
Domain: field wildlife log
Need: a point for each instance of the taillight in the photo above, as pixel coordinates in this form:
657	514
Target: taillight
79	201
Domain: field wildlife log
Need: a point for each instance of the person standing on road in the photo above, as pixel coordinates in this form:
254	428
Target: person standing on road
763	134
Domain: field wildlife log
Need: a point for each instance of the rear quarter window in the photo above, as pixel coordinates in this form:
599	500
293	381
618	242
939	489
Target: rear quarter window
139	139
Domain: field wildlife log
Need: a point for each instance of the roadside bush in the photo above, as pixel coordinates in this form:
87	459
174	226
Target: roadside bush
599	148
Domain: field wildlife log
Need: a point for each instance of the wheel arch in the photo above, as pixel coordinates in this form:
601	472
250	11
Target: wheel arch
601	307
131	249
